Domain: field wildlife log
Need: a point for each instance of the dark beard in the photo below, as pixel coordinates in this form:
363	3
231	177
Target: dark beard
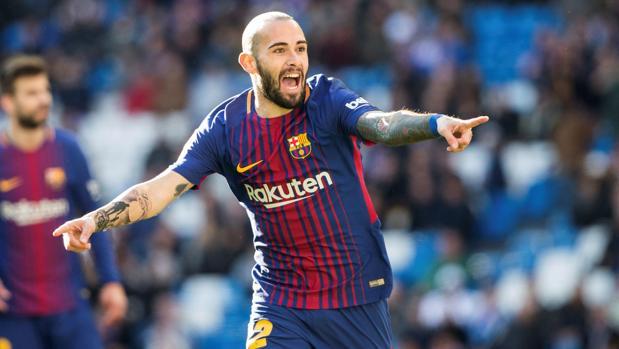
270	89
28	122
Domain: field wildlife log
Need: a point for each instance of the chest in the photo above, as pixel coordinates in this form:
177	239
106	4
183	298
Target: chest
275	150
31	176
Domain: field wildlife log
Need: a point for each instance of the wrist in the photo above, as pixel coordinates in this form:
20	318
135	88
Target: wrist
91	219
433	121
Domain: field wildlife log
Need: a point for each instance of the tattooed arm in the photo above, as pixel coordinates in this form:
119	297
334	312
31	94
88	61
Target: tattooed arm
404	127
139	202
395	128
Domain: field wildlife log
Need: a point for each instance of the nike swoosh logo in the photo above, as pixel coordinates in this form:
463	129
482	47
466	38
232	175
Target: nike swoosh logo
7	185
284	203
241	169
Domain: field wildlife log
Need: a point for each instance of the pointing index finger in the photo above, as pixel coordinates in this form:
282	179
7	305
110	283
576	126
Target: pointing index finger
59	231
474	122
65	228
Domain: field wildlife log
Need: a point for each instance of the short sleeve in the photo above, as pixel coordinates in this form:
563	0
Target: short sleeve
348	106
201	154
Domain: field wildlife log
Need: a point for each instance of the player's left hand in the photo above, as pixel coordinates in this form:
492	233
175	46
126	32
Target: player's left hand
458	133
113	302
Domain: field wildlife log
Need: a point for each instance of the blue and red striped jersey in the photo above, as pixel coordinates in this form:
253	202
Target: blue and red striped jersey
39	191
299	176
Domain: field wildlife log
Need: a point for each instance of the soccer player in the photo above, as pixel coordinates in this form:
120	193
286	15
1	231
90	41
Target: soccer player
44	180
289	149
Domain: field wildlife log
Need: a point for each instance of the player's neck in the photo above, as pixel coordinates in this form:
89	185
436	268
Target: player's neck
24	139
266	108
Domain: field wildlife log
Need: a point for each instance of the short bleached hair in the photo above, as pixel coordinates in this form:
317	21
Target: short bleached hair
251	34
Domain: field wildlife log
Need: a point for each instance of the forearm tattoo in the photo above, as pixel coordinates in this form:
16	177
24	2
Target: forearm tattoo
395	128
106	216
180	189
134	206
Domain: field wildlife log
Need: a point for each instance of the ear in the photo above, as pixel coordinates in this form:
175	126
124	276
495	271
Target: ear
6	102
248	62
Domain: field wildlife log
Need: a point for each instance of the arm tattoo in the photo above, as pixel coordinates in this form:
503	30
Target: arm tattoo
134	206
180	189
104	217
395	128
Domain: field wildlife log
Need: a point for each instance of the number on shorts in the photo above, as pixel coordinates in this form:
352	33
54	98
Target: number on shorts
262	329
4	343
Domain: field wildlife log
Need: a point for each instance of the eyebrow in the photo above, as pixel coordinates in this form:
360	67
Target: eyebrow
281	43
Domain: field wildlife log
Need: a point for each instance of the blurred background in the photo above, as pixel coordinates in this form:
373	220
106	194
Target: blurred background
511	244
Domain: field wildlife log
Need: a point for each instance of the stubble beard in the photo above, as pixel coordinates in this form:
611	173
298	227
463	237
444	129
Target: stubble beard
270	88
28	120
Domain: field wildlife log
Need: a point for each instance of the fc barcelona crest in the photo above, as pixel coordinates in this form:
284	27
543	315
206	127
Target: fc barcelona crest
300	146
55	177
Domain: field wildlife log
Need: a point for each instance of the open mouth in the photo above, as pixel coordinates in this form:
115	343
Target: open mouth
291	81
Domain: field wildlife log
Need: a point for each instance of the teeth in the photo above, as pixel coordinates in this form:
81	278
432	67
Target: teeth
294	76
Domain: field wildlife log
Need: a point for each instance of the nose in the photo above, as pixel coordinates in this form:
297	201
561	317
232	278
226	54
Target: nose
294	59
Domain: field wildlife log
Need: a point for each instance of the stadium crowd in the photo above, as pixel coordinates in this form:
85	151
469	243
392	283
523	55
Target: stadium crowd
510	244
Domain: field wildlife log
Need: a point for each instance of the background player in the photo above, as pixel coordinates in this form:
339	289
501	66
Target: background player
290	152
44	180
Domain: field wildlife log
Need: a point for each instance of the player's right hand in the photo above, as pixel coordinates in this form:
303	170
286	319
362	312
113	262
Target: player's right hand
76	233
4	297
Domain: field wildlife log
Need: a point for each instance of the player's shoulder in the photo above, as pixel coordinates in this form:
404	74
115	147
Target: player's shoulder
64	137
224	113
67	142
322	86
322	83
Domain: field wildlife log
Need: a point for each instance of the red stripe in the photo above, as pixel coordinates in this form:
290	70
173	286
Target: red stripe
342	207
265	151
312	300
331	270
288	260
300	238
265	222
364	189
281	214
252	139
38	258
56	158
315	218
241	142
342	241
286	231
298	234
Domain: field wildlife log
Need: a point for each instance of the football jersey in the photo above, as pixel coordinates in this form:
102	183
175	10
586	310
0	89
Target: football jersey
299	176
39	191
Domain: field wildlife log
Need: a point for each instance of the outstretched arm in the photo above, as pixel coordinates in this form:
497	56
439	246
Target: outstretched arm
137	203
405	127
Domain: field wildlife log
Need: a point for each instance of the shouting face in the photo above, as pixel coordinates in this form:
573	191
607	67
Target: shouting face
280	52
